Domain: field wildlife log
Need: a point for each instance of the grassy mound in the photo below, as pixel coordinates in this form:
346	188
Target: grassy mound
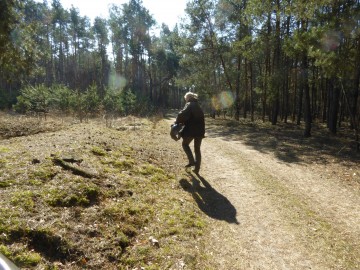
83	196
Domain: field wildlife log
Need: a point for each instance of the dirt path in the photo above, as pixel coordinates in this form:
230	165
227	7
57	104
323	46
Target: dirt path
269	214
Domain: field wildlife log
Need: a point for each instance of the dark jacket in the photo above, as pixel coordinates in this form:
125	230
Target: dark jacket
193	118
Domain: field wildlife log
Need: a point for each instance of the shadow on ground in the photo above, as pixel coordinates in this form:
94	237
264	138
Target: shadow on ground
211	202
286	140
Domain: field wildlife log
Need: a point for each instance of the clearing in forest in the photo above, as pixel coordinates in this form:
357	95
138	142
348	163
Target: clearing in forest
85	196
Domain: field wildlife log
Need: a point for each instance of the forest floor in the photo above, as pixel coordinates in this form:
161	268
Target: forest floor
265	198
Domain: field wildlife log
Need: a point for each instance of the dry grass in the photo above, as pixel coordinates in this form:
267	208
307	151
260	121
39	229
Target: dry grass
131	213
85	196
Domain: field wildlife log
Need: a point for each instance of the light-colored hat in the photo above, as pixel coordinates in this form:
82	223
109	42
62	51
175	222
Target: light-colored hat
189	95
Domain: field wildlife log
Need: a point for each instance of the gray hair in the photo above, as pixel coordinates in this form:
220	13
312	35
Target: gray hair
189	95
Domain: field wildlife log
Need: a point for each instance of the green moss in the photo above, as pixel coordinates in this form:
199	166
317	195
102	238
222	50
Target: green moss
4	149
5	183
159	177
133	210
5	250
142	218
122	239
131	193
112	211
24	199
27	259
124	164
198	223
129	230
35	182
21	258
118	163
92	193
43	174
3	163
174	231
77	196
143	251
149	169
98	151
9	219
124	151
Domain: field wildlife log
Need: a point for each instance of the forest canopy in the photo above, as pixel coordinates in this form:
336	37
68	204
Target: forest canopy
273	60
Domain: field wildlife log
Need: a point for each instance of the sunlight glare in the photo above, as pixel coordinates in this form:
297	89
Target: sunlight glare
223	100
330	41
116	81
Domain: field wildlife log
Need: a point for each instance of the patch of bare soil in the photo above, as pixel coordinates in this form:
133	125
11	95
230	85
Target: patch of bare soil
276	200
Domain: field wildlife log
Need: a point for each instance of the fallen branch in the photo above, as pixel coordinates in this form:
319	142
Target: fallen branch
75	170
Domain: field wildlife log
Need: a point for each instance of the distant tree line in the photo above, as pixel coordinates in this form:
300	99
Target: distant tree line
293	59
277	60
42	44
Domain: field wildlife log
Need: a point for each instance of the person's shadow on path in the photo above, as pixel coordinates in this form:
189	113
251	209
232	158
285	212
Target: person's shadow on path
209	200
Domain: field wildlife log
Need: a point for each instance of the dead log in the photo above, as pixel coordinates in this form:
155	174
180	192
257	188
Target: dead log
75	170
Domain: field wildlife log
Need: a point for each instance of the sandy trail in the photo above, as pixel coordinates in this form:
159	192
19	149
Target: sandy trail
268	214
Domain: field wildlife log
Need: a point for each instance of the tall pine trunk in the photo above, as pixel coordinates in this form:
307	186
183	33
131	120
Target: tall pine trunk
334	94
237	89
277	72
306	88
307	109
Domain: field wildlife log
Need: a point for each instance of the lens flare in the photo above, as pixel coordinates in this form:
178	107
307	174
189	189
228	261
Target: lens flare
116	81
215	103
331	41
226	99
223	100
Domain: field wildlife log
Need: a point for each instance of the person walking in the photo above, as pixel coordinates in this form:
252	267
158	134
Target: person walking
192	116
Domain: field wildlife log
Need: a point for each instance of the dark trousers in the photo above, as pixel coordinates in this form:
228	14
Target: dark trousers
186	146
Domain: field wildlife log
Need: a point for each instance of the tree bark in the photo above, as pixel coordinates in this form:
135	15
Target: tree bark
307	109
334	94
